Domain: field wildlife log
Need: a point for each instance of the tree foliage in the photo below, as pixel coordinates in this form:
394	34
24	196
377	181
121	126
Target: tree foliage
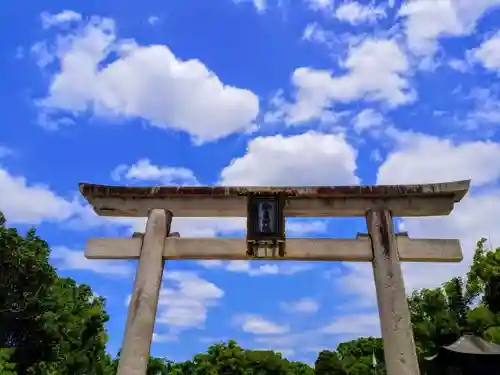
49	325
329	363
231	359
441	315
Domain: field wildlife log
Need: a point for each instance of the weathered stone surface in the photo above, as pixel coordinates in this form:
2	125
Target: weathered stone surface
143	305
320	201
399	345
306	249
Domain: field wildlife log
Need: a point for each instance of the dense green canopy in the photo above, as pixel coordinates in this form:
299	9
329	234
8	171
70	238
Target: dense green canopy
49	325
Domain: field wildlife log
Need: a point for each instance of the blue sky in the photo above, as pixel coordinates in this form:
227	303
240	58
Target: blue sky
276	92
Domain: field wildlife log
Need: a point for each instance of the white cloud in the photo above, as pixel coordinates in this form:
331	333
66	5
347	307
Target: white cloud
302	227
244	266
428	20
321	5
458	65
185	304
350	11
62	18
357	282
356	324
486	109
356	13
343	328
252	268
315	33
307	159
377	71
420	158
260	5
367	119
188	96
153	20
258	325
488	53
299	341
303	306
24	203
143	170
67	259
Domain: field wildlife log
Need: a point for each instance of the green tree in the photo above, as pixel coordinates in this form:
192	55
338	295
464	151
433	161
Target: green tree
52	325
231	359
357	355
158	366
434	323
441	315
329	363
456	300
299	368
483	286
483	279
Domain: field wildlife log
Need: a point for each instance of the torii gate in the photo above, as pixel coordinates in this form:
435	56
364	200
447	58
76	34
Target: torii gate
381	246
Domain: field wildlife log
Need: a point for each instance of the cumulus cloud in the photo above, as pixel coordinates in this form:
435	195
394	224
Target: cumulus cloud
153	20
488	53
320	5
485	114
355	13
63	18
306	159
426	21
367	119
253	268
25	203
377	70
343	328
185	301
314	32
188	95
419	158
358	324
68	259
259	325
259	5
144	170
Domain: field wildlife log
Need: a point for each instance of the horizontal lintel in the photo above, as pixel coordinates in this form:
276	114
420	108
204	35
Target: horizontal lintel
349	250
319	201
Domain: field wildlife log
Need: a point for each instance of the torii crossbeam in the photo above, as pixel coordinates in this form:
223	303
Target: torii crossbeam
381	246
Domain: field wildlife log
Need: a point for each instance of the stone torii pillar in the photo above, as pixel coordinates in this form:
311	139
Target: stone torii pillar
134	354
381	246
399	345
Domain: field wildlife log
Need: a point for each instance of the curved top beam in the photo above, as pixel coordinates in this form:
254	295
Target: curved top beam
307	201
